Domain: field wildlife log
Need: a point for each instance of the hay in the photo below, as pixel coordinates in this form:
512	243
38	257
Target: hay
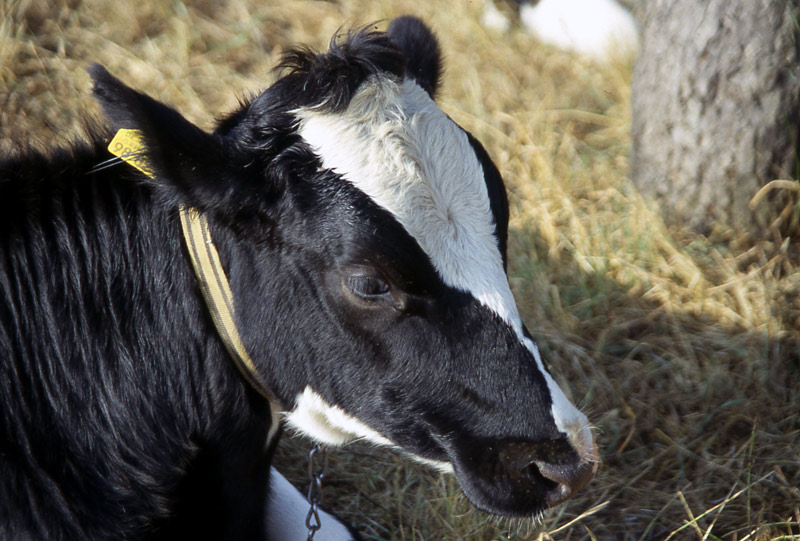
684	350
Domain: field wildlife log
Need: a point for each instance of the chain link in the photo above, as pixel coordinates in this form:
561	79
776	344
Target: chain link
317	466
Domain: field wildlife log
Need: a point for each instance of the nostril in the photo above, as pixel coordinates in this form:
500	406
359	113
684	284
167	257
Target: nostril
547	471
565	479
532	472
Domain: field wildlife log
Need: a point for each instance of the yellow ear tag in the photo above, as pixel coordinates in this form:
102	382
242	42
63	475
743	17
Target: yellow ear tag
127	144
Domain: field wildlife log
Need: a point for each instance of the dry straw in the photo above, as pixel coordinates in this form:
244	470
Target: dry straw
683	349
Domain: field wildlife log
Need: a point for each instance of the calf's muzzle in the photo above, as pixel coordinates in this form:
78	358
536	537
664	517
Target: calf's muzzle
520	478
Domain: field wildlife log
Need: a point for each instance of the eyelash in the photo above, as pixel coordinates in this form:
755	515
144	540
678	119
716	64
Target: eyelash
368	287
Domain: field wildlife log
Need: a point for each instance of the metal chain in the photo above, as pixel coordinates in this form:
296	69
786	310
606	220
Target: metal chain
317	466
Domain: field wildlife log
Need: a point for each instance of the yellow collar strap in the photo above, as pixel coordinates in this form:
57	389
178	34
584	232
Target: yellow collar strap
128	146
217	291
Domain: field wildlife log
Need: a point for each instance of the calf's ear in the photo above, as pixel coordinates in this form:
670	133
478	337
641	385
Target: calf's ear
418	44
189	165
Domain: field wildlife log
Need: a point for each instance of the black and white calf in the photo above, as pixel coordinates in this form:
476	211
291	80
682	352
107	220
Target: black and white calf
364	236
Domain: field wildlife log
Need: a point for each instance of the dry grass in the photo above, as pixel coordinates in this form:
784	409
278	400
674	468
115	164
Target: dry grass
684	350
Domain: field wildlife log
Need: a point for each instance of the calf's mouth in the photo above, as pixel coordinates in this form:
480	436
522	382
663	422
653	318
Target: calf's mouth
520	478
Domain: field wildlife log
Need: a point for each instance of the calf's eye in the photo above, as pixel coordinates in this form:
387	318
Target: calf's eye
368	287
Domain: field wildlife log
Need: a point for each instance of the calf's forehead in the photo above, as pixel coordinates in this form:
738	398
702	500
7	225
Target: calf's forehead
395	145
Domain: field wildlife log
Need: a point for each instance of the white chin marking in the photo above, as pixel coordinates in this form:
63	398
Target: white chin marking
331	425
395	145
287	510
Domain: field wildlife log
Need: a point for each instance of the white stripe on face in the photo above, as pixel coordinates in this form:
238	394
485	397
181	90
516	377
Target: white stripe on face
396	145
313	416
329	424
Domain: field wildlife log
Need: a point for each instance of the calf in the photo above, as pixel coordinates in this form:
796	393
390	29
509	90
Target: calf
363	234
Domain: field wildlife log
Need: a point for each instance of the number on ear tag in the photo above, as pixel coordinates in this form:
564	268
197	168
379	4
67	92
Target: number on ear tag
127	144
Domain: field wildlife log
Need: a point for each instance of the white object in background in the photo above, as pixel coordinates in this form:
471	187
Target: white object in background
494	19
596	28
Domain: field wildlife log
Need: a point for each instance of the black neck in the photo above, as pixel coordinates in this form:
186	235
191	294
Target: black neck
108	348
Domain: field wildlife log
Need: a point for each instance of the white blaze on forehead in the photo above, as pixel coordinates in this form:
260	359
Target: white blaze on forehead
394	144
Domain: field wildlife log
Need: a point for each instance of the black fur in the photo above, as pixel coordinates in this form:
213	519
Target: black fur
419	45
332	78
123	417
120	418
498	199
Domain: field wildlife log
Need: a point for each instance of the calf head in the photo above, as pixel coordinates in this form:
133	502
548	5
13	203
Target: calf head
364	234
